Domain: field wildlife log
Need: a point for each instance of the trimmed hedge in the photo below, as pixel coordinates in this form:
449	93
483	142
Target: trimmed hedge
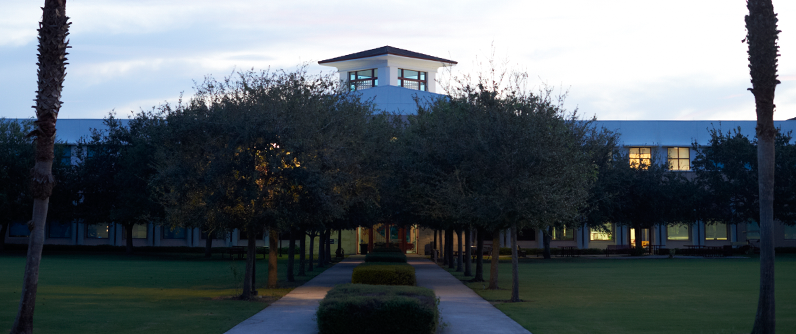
386	250
384	274
385	257
361	308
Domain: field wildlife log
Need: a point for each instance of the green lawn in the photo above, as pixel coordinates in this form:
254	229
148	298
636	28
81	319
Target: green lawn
642	295
148	293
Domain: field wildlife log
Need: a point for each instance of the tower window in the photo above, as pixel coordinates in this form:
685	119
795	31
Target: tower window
363	79
413	79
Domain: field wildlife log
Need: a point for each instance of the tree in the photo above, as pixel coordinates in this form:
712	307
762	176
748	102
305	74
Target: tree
53	31
16	152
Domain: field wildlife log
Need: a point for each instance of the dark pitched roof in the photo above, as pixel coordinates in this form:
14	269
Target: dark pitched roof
386	50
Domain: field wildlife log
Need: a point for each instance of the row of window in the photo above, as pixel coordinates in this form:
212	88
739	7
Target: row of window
364	79
716	231
58	230
678	158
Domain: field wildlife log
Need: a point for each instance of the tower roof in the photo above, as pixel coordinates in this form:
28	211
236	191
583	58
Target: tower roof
384	50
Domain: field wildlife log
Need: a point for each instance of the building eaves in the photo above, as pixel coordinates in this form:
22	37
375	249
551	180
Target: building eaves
384	50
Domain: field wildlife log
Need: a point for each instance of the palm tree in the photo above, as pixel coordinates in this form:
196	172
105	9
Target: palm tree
53	30
761	27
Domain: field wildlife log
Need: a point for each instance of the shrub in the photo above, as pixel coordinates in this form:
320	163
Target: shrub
385	257
360	308
384	274
386	250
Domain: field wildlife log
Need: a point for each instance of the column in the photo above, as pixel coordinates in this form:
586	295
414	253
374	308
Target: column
81	233
733	233
74	233
112	234
156	233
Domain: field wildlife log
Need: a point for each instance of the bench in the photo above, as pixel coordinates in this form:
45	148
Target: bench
617	249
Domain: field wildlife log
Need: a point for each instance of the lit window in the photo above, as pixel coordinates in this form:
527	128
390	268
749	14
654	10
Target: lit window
97	231
716	231
58	229
413	79
679	158
752	231
171	232
563	233
790	232
640	157
139	231
602	234
363	79
677	232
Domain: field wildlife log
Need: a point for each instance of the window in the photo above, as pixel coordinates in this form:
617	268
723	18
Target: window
363	79
413	79
640	157
679	158
677	232
18	230
65	152
56	229
563	233
139	231
716	231
173	232
97	231
527	234
602	234
752	231
790	232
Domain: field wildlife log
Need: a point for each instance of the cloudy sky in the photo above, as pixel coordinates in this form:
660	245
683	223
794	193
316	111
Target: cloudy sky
619	60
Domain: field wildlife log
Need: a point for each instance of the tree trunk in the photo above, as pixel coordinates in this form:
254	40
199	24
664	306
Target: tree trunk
460	257
291	255
546	236
310	263
128	240
449	243
302	252
3	230
493	269
761	27
52	70
248	278
515	266
339	251
322	249
209	244
273	240
443	237
468	251
479	256
433	245
329	246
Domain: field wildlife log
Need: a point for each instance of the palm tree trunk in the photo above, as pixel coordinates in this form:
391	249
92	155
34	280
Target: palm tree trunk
273	240
52	69
322	249
468	251
761	27
329	246
493	269
449	252
339	252
515	266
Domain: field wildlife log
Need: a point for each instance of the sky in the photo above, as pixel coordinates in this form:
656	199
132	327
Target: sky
617	60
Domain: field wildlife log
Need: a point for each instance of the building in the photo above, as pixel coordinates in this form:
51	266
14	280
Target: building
396	80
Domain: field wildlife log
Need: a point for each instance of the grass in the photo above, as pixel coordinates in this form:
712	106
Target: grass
145	293
717	296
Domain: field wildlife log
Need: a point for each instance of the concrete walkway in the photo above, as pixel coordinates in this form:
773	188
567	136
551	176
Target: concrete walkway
462	310
295	312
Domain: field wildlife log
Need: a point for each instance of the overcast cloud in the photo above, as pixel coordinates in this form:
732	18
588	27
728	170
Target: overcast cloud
634	60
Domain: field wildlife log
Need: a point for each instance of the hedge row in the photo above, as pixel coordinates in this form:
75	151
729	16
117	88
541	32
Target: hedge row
384	274
385	257
360	308
386	250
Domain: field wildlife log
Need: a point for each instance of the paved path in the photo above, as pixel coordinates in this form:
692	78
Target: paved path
461	308
295	312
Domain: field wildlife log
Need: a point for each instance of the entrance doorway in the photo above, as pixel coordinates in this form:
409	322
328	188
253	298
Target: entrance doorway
387	235
644	234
